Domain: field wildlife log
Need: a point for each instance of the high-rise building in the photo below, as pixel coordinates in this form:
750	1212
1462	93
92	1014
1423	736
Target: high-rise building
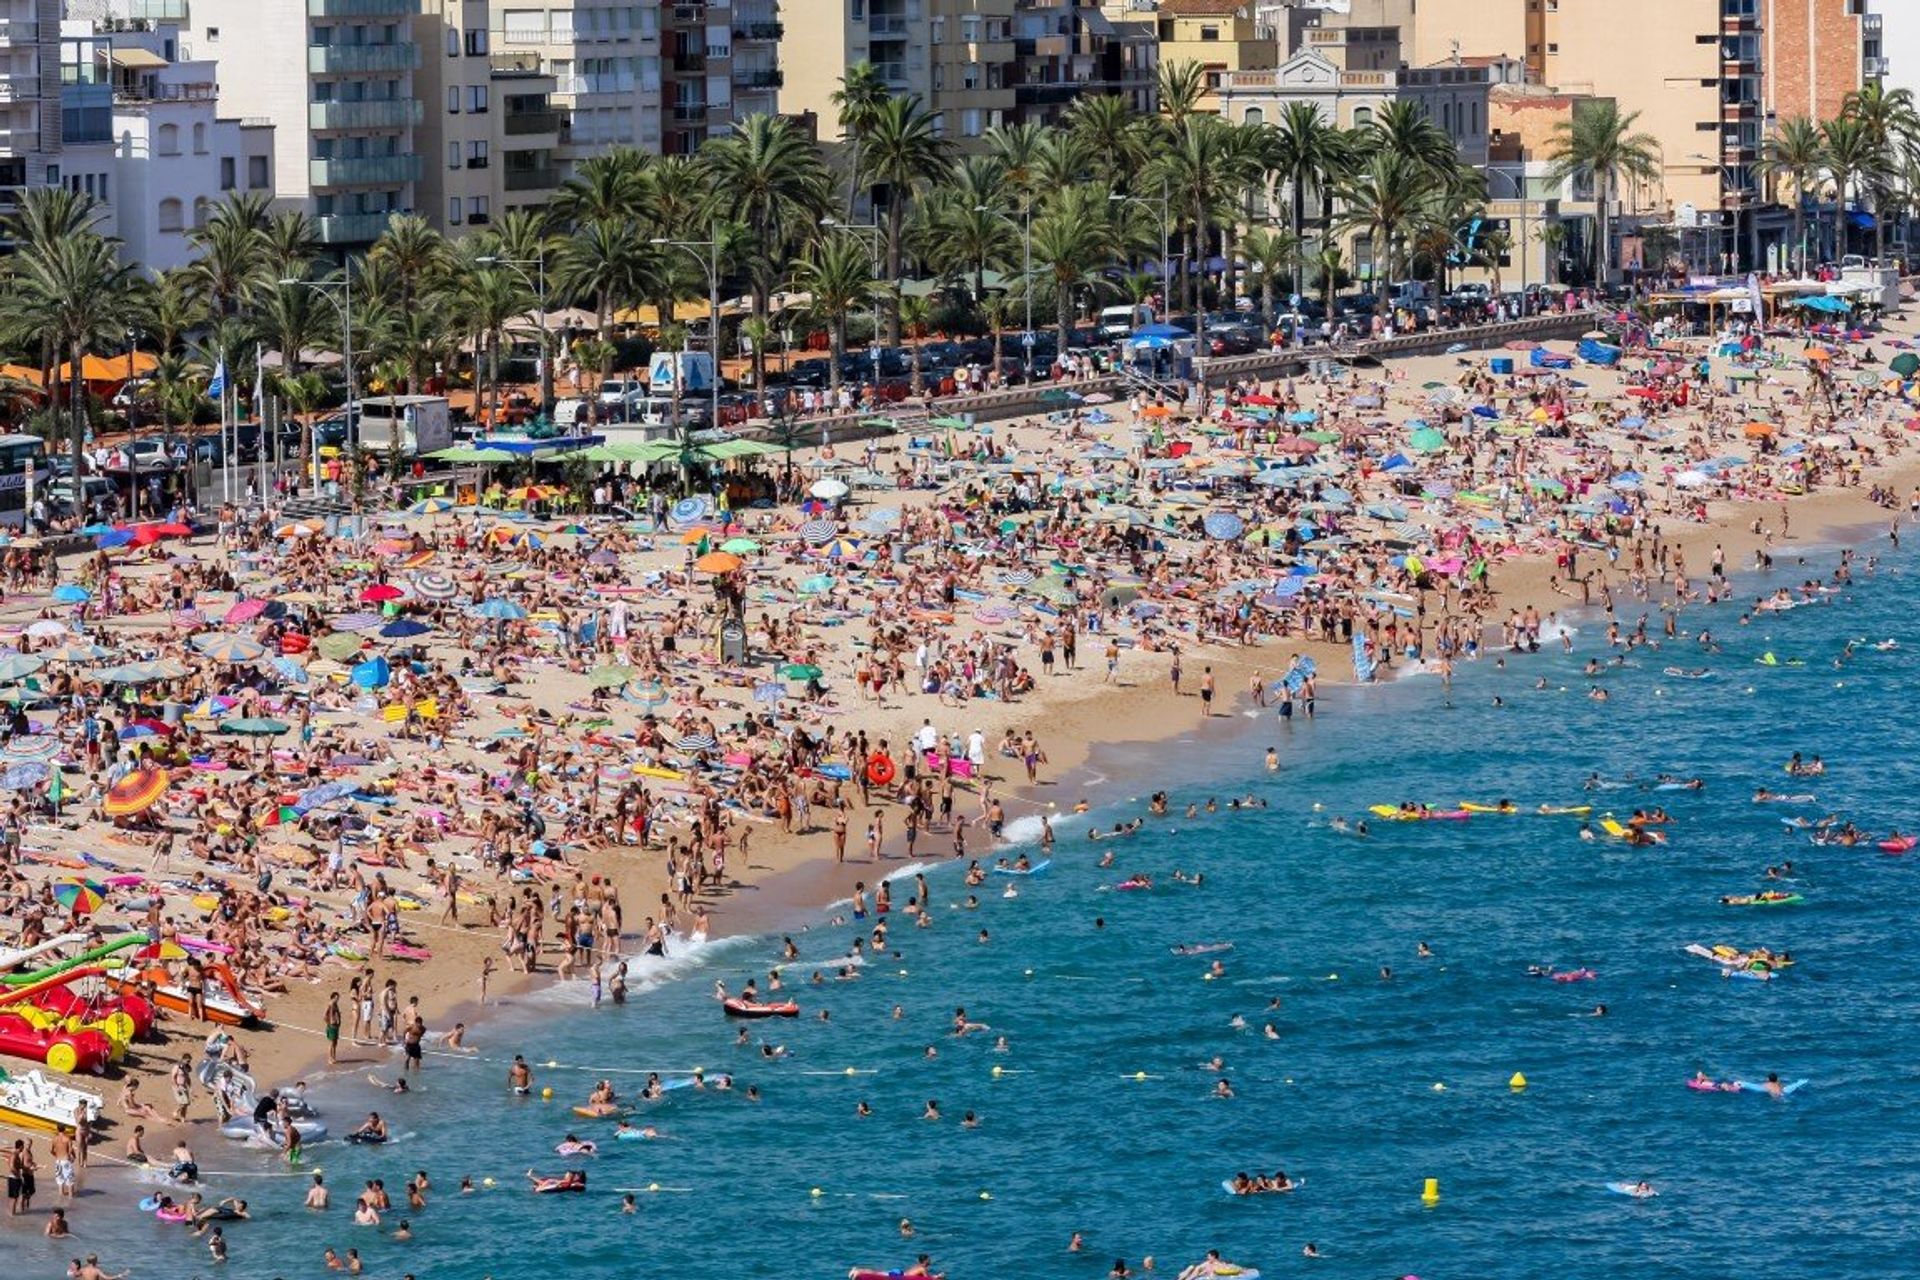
336	78
956	55
1219	36
718	64
29	93
1809	54
1067	49
490	133
1899	51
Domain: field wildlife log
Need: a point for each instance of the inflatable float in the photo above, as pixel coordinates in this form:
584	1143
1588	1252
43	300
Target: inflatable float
735	1007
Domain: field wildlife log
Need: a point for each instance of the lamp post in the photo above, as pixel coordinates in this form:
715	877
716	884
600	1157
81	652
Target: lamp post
1166	236
1520	198
1026	273
864	229
344	305
519	266
1738	190
711	262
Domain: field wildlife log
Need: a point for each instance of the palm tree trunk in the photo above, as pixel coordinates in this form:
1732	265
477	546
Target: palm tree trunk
1063	313
1299	232
896	212
1798	257
77	426
1603	252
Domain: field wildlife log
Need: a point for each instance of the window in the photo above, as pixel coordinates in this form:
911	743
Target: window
453	155
453	43
970	28
199	139
453	211
1553	47
259	177
937	30
970	122
1209	33
171	211
970	76
476	155
477	98
228	173
477	42
453	99
1362	117
939	76
202	210
525	26
167	143
480	210
213	35
858	8
1254	115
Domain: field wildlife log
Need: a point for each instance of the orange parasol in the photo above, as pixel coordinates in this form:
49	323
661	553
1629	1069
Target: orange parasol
1760	430
717	562
136	793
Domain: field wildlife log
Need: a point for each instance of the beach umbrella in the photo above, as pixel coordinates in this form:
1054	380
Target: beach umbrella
243	611
326	793
338	647
650	693
71	593
435	587
769	691
1427	440
75	651
688	510
818	584
31	746
610	676
81	897
718	562
800	671
289	670
815	532
254	727
374	673
359	621
145	535
1223	526
430	507
697	742
497	610
18	666
46	629
740	546
1017	577
1906	364
841	548
136	793
380	593
404	629
114	539
20	777
225	648
829	489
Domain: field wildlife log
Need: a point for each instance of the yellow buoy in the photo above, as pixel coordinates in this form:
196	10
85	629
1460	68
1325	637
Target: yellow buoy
1139	1075
653	1186
997	1070
486	1182
1430	1194
816	1193
986	1195
1517	1083
853	1071
547	1093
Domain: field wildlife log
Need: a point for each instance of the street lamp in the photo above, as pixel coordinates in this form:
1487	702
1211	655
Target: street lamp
540	289
1738	190
344	305
1520	198
710	261
1026	273
1166	235
864	229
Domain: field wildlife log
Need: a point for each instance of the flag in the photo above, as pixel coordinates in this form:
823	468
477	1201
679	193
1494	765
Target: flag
259	380
218	387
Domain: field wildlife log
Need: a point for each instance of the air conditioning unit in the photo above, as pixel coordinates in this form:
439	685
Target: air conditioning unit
1874	66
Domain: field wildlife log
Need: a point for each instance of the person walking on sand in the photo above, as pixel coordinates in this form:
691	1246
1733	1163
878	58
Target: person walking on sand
331	1022
1206	693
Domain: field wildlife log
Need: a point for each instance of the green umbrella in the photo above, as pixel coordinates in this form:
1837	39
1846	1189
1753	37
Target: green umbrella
255	727
800	671
611	676
740	546
339	647
1427	440
1906	364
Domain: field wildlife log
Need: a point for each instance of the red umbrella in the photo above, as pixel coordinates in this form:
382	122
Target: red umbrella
1258	399
380	593
146	535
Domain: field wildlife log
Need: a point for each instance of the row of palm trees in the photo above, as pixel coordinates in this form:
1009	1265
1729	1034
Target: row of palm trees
1088	202
1869	153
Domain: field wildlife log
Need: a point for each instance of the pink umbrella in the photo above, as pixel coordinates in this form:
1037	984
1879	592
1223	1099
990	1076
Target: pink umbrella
245	611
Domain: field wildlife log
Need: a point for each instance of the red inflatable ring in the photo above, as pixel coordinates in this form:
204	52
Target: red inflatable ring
879	770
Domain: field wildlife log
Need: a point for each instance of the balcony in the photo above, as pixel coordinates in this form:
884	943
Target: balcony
362	8
364	171
887	24
690	112
767	78
893	73
689	62
158	10
349	59
19	31
525	122
759	31
350	228
1873	67
386	113
535	179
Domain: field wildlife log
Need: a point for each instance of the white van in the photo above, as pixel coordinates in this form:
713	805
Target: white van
1118	322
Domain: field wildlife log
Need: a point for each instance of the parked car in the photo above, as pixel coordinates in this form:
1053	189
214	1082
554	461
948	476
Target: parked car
1224	341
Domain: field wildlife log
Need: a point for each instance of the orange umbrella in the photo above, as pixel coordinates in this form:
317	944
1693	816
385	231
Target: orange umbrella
1819	353
136	793
692	536
1760	430
717	562
1156	411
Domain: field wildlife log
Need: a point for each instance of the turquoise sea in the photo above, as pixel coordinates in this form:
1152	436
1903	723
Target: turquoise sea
1101	1119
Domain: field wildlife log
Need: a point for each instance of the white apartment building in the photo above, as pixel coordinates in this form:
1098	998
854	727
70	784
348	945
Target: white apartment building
604	59
29	92
143	135
336	79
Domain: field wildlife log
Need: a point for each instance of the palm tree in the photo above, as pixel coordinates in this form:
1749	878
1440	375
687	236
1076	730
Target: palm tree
1385	197
1405	127
916	315
1270	253
76	291
1493	246
491	298
233	251
414	252
769	178
608	186
294	319
1200	167
1329	265
180	388
1069	250
1597	141
1017	148
1113	134
171	307
1552	236
838	276
1182	85
1304	152
303	393
1795	156
289	245
1852	152
609	264
859	99
1890	118
903	151
997	310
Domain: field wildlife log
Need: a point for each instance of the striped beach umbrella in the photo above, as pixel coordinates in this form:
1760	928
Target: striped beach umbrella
82	897
769	691
226	648
816	532
688	510
136	793
697	742
20	777
435	586
358	621
18	666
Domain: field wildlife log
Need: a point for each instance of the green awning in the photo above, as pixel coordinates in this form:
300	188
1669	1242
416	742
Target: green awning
467	453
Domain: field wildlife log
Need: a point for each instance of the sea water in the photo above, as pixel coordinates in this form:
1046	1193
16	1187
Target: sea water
1101	1119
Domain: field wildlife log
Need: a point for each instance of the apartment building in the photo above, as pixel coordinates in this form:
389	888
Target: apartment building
1220	36
142	133
719	63
956	55
1066	49
1809	54
490	135
336	79
29	93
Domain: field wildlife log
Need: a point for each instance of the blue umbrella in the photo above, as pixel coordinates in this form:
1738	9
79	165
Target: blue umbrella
69	593
769	691
403	628
1160	331
497	610
1303	416
95	529
1224	525
289	670
687	510
373	674
113	538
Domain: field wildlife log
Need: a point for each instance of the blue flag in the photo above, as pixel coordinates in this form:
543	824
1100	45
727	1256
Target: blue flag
218	387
